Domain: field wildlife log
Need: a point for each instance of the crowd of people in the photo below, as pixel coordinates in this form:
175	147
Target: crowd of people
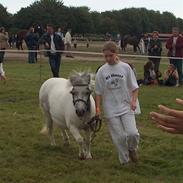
54	41
173	75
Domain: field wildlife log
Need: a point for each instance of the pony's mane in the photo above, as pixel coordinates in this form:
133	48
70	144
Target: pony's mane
81	78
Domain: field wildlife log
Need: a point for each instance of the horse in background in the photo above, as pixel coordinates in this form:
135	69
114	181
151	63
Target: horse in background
131	40
20	36
68	104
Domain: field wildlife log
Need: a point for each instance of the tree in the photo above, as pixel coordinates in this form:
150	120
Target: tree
81	20
5	17
41	12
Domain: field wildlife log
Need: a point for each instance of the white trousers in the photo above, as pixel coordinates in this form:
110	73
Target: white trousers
2	73
124	135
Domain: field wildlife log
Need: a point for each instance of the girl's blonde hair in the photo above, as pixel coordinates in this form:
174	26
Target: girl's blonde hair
111	46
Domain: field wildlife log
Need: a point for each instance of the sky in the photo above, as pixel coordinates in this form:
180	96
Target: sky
103	5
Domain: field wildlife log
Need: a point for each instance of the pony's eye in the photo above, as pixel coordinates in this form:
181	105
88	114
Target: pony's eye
88	92
72	92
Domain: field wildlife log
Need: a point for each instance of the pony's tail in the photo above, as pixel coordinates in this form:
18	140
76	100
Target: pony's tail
44	130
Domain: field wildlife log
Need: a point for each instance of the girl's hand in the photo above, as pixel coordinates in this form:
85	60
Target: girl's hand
133	105
98	111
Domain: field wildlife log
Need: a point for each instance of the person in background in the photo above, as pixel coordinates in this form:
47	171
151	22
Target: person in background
75	43
175	46
87	43
3	45
68	43
147	39
60	33
116	85
171	77
31	40
54	44
142	45
169	120
149	74
10	41
155	49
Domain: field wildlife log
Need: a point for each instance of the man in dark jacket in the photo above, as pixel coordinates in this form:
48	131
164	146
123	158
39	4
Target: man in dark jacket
175	49
54	44
31	40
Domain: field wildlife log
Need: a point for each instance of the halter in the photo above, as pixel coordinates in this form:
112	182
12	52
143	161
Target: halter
87	103
95	122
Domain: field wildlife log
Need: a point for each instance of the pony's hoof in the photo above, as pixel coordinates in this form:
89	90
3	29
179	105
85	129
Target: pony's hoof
44	131
89	157
53	144
82	156
2	77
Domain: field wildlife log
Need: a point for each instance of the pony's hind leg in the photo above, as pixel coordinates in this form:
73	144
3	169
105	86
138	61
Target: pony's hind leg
65	137
48	128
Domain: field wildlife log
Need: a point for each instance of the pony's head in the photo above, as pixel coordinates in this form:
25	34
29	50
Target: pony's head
81	92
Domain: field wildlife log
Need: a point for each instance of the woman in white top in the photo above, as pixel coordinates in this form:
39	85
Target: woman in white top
117	86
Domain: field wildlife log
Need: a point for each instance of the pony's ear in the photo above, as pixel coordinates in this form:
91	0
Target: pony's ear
87	77
73	80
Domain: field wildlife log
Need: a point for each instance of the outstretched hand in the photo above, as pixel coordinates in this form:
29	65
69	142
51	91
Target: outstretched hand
169	120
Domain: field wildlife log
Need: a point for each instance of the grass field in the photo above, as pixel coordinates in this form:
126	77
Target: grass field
27	157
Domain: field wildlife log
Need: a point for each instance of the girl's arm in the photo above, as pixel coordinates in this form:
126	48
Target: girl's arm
134	99
97	103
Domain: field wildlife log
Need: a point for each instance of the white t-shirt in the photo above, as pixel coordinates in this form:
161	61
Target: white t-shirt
53	49
116	83
174	46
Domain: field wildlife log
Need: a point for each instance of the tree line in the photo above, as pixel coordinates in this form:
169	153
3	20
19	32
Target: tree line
83	21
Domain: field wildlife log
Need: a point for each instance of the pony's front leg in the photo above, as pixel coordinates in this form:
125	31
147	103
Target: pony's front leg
65	137
88	143
76	134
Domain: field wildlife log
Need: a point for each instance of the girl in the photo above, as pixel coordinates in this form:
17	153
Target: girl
117	85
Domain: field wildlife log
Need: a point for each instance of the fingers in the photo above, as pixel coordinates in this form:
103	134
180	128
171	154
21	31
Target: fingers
165	118
179	101
169	130
168	123
133	108
171	112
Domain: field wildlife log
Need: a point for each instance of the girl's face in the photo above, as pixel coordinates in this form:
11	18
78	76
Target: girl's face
110	57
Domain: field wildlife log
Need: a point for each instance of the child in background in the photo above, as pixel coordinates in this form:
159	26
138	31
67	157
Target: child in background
149	74
117	86
171	76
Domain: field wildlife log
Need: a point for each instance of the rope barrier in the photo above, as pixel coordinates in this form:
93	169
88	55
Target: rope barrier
92	53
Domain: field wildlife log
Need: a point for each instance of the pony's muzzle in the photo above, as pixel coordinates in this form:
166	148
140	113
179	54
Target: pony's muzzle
80	112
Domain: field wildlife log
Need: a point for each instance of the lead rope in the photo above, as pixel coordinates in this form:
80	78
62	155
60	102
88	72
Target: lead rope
95	125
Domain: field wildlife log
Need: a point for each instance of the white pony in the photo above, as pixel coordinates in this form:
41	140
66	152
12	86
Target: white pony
68	103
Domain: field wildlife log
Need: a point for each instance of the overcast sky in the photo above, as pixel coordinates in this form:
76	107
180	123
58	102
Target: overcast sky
174	6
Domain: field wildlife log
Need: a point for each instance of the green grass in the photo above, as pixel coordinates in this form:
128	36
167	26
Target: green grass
27	157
